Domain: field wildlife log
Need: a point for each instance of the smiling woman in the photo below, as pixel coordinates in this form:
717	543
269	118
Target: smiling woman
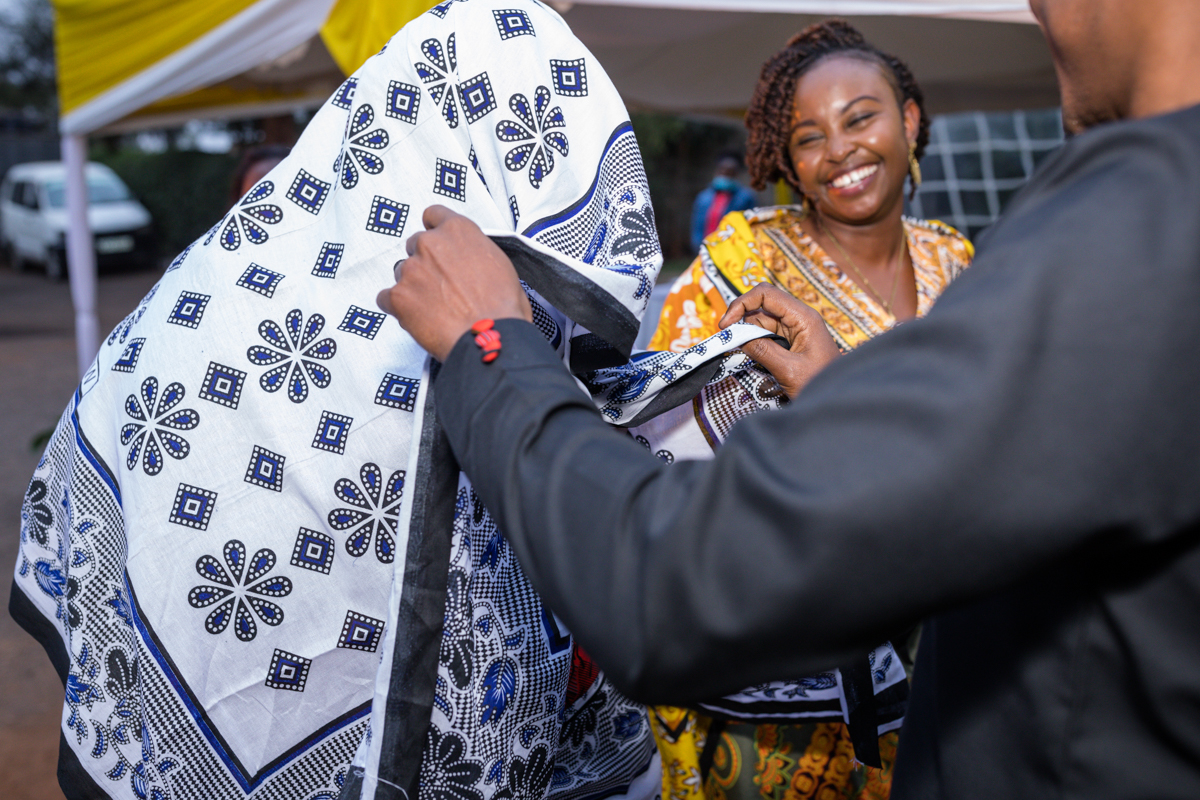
843	124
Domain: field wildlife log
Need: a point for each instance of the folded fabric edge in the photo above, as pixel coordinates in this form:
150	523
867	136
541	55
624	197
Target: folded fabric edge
401	726
551	274
683	390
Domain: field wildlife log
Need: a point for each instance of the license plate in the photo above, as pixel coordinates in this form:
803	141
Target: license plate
114	244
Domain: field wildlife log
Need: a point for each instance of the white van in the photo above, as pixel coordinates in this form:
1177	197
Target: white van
33	218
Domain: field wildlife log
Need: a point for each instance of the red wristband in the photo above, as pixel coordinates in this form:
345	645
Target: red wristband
487	339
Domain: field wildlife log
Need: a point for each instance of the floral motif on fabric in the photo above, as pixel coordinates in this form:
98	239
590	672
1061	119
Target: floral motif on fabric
435	74
237	586
637	240
373	513
538	718
538	130
249	213
446	773
36	516
156	418
293	352
359	146
123	736
61	582
457	645
528	777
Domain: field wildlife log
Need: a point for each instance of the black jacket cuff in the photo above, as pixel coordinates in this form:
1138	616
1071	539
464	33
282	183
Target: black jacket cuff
465	385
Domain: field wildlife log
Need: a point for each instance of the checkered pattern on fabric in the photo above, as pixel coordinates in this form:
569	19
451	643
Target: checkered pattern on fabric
173	627
496	622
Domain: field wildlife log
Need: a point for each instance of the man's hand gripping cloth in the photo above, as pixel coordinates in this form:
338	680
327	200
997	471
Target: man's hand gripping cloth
683	406
247	548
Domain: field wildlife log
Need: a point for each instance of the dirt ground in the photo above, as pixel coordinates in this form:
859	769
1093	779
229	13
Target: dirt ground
37	376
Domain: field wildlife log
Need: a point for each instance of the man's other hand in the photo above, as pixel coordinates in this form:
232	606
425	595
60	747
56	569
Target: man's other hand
454	276
811	347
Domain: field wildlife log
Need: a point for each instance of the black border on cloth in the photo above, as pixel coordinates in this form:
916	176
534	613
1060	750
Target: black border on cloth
571	293
589	352
891	705
421	615
73	779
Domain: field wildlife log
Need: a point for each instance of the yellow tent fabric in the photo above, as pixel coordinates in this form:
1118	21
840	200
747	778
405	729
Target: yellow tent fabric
102	43
357	29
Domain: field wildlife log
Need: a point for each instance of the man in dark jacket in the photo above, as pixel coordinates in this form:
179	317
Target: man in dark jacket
1021	468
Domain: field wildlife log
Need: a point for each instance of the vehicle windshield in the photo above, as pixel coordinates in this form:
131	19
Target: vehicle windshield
101	189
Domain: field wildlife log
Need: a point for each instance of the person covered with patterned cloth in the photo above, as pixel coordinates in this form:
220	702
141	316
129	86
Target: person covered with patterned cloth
843	124
247	550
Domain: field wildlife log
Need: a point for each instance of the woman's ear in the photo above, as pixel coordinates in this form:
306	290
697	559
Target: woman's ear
912	121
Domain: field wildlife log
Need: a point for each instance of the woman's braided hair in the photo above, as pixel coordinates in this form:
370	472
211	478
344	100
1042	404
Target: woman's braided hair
769	118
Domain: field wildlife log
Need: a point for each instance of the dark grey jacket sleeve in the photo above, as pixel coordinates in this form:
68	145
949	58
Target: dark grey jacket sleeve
1045	411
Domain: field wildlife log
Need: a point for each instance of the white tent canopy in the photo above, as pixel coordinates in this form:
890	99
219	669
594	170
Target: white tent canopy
696	56
697	59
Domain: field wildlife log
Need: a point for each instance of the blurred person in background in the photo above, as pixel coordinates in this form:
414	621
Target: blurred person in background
254	165
844	125
721	197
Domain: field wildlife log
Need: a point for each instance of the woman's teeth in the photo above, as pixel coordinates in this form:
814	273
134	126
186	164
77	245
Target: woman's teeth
854	176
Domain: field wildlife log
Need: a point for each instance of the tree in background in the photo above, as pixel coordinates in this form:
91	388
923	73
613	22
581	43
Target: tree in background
185	190
679	154
27	60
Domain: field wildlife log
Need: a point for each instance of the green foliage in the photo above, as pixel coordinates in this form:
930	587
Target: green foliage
186	191
680	155
27	58
39	441
658	134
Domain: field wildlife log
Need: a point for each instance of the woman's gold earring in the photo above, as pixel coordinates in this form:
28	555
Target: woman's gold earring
914	167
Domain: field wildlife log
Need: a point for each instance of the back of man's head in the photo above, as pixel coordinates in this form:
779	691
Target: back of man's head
1122	58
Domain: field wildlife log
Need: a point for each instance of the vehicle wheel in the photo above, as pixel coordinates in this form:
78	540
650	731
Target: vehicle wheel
56	265
9	254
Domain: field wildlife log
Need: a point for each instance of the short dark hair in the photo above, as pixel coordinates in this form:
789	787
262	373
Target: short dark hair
263	152
732	155
768	119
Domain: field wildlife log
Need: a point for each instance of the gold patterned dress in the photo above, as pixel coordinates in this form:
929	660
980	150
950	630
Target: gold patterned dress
813	760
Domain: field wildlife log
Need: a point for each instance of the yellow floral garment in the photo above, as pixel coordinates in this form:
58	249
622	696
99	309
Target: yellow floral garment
797	761
769	244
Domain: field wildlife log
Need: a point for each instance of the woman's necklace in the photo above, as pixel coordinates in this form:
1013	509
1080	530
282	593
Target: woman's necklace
887	304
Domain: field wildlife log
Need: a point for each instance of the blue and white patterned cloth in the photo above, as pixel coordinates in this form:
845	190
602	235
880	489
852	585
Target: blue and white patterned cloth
246	548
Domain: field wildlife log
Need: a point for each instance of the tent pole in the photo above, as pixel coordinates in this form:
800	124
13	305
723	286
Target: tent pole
81	257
